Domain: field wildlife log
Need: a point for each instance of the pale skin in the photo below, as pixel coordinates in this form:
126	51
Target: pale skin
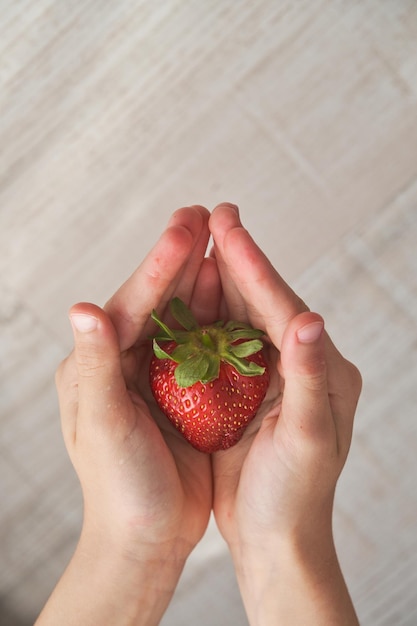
148	494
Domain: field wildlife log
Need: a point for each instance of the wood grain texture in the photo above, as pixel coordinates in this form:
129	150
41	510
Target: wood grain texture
112	115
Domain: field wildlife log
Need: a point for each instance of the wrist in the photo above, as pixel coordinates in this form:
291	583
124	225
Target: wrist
143	573
112	582
293	579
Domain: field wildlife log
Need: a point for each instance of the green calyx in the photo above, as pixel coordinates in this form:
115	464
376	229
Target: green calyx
201	349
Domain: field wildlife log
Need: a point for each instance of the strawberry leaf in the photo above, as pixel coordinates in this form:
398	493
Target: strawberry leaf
167	333
192	370
183	315
160	353
247	348
234	325
245	333
244	367
213	369
183	352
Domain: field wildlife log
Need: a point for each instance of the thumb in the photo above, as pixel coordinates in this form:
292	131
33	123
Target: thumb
97	358
305	406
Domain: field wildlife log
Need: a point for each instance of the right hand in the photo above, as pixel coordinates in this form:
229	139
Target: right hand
274	490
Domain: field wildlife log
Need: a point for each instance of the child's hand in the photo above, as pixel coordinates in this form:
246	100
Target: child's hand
274	490
147	493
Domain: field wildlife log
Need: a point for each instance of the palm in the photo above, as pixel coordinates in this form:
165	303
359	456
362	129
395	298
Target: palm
182	474
236	471
178	476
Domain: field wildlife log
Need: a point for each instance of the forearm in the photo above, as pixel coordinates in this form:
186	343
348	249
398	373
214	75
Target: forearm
291	583
105	586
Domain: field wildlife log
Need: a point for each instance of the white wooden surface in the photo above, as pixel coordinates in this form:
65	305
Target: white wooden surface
113	114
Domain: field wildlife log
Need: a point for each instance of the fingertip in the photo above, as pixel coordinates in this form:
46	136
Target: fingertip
87	308
302	349
311	331
91	324
201	210
225	226
176	237
83	323
85	317
227	206
193	218
224	217
306	326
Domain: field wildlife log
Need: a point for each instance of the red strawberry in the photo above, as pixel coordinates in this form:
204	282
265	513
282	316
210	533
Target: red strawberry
209	381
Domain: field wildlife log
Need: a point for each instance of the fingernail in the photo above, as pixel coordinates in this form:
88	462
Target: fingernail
232	206
84	323
310	332
228	205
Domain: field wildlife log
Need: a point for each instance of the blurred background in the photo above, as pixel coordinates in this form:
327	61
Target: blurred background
114	114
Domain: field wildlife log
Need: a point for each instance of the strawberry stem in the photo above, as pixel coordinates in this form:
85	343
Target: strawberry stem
207	341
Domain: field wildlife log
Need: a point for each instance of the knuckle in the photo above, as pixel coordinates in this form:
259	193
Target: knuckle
354	377
314	383
313	373
315	380
89	364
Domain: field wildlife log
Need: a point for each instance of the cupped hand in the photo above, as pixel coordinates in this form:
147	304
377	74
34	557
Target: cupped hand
280	479
142	483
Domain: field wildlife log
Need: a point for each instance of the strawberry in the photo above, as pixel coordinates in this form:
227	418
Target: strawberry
209	381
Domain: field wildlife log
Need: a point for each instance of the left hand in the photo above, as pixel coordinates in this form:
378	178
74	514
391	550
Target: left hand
147	493
143	485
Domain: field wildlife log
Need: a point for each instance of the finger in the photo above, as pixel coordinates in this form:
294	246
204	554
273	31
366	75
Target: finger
306	413
206	297
224	218
154	280
183	288
101	386
270	303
